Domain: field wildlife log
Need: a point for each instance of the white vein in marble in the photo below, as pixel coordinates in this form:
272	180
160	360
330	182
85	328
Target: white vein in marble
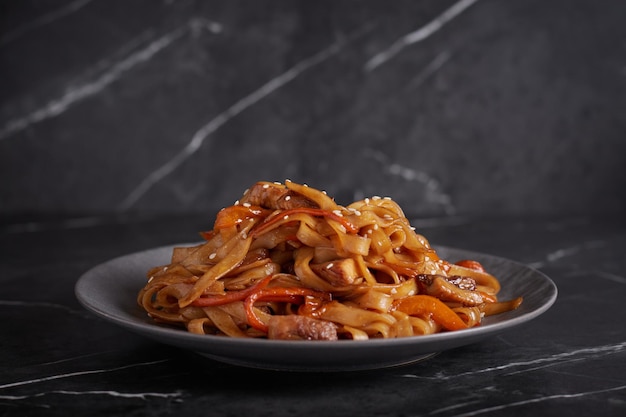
140	395
78	373
78	93
224	117
418	35
42	21
434	192
540	399
561	253
431	69
530	365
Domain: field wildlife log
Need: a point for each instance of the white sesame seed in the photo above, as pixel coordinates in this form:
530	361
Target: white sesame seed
387	198
246	204
287	198
394	291
244	235
338	213
212	256
426	258
236	203
286	216
342	228
266	186
330	265
367	201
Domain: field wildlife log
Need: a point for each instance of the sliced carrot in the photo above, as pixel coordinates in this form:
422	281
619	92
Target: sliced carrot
426	305
231	296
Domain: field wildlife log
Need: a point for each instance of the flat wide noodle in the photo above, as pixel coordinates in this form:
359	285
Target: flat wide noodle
338	272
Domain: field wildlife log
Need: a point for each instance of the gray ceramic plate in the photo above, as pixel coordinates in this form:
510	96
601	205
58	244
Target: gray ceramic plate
109	290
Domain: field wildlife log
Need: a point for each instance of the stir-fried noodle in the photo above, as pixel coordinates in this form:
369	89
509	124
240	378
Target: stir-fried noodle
287	262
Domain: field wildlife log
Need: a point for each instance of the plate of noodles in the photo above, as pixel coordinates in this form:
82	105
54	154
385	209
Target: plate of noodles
287	279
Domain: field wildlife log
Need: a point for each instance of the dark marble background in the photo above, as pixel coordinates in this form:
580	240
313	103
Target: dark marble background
449	107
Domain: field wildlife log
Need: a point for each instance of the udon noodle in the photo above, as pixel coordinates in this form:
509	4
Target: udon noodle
287	262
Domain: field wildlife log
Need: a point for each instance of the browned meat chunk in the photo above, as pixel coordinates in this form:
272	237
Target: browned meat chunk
454	289
275	196
293	327
339	273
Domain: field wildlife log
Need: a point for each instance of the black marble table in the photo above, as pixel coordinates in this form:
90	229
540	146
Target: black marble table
57	359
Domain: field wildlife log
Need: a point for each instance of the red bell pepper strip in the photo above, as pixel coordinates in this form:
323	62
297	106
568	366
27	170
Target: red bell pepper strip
280	294
231	296
303	210
426	305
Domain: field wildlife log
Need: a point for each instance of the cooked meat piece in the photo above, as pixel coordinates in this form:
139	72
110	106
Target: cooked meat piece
275	196
293	327
339	272
455	289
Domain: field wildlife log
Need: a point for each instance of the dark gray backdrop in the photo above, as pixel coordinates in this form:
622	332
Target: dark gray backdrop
450	107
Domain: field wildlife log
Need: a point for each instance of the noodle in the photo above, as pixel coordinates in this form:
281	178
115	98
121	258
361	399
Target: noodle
287	262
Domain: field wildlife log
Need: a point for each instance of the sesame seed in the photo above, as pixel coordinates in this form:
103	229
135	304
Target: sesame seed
287	198
342	228
244	235
330	265
338	213
375	197
246	204
426	258
266	186
387	198
151	278
212	256
236	203
286	216
367	201
394	291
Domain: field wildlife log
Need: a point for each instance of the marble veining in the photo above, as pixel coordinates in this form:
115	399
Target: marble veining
78	93
419	35
78	373
575	395
551	360
46	19
242	104
140	395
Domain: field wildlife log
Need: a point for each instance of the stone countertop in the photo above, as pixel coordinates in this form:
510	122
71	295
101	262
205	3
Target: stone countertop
57	359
